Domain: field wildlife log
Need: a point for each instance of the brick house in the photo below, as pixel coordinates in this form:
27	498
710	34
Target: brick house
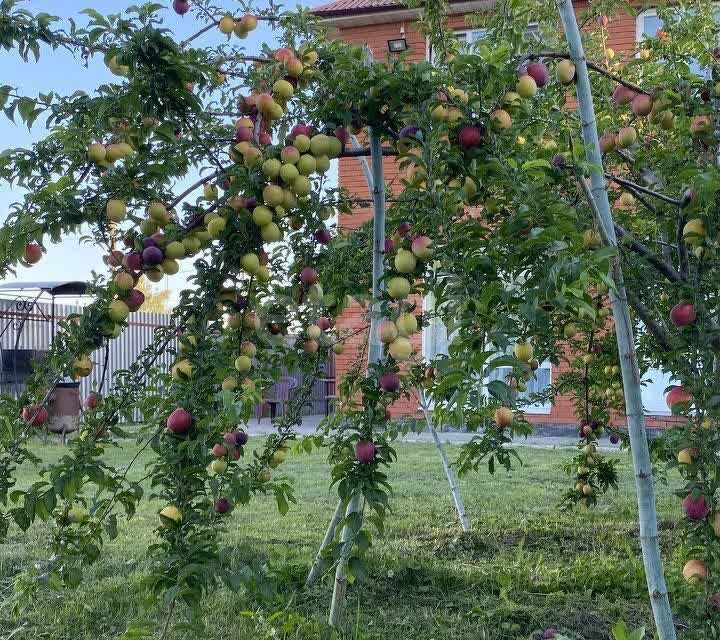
376	23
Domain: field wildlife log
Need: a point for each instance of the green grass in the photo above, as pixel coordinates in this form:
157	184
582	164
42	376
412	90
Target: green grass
527	566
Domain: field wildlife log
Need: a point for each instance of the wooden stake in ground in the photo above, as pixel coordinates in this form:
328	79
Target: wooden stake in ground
625	339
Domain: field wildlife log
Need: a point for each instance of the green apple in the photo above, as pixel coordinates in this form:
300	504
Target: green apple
116	210
262	215
273	195
219	466
170	515
215	227
407	324
306	165
157	211
250	263
270	232
118	311
398	288
169	266
320	145
302	143
175	250
302	186
405	261
243	364
271	167
400	349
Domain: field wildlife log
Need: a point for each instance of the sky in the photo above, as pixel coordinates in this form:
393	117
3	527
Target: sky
60	72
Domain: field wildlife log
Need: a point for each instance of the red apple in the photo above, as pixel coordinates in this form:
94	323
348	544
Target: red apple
607	142
365	451
133	261
341	134
35	415
470	137
92	400
696	508
683	314
310	346
300	129
539	72
33	253
309	276
114	258
422	247
403	229
322	235
284	54
678	395
179	421
623	95
181	7
390	382
323	323
222	505
641	105
134	299
220	450
152	256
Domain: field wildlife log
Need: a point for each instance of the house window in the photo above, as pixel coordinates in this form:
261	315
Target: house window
470	36
434	336
539	383
653	392
647	25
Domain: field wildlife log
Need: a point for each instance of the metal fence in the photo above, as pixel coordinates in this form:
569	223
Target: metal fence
27	327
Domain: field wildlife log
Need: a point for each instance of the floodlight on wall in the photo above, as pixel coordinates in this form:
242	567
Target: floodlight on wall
397	45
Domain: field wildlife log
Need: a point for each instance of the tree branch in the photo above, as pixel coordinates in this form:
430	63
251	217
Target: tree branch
197	184
642	250
365	151
651	324
591	65
632	185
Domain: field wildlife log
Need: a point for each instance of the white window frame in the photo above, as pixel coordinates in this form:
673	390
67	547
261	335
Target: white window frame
531	409
640	23
430	333
659	380
466	33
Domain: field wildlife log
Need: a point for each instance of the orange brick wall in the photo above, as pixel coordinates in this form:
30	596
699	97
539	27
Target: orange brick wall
622	32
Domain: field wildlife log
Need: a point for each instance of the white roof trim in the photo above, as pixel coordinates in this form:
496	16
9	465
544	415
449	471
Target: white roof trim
399	13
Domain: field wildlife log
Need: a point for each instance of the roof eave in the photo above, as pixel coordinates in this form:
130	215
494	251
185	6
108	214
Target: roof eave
380	15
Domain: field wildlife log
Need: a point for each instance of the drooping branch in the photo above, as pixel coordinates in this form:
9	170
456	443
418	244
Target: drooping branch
642	250
632	185
651	324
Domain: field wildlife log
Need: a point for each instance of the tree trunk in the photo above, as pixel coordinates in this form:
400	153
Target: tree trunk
454	488
625	340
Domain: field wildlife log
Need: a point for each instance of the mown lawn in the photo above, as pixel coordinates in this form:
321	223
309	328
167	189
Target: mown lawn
527	565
